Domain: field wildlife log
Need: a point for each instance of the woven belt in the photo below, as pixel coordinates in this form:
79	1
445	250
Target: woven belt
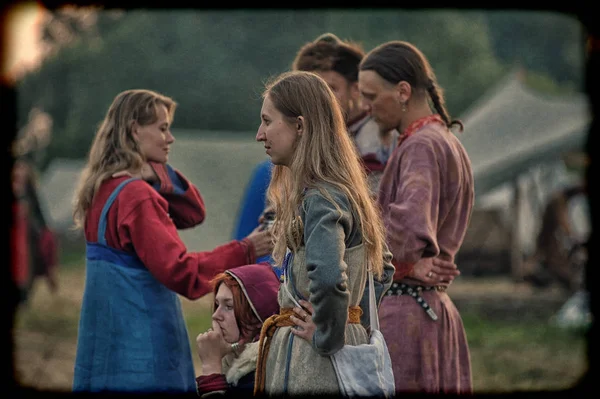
415	292
268	329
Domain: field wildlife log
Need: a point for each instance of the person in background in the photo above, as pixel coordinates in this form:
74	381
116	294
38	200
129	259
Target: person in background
336	61
327	232
557	244
244	297
130	203
254	203
426	196
34	244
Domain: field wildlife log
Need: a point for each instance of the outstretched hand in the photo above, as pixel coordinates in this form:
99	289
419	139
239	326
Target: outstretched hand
262	240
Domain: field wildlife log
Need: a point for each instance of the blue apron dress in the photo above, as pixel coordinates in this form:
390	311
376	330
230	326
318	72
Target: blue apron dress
132	334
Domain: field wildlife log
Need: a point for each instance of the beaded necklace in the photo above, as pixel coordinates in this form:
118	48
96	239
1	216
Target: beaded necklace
418	124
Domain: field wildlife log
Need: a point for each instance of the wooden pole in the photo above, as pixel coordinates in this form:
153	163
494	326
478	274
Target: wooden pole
516	245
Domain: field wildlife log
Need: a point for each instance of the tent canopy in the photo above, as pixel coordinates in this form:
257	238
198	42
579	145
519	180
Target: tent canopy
512	128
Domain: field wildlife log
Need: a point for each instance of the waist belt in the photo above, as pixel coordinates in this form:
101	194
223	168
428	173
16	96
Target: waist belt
268	329
415	292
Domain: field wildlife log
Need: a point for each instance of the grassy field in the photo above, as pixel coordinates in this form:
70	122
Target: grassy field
508	355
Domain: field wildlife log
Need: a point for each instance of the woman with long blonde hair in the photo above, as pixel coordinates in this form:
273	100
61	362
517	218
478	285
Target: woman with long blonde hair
327	232
132	335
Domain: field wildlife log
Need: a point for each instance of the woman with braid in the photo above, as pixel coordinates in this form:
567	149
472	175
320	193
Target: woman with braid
426	196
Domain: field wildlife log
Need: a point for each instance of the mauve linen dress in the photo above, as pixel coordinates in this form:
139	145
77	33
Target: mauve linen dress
426	195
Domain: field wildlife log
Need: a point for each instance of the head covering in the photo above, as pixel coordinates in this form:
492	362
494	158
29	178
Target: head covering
259	284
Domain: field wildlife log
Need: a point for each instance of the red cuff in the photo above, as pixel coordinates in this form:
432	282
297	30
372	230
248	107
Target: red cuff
211	383
250	250
163	176
402	269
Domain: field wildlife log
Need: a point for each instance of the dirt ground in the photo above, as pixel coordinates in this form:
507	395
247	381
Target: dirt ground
44	360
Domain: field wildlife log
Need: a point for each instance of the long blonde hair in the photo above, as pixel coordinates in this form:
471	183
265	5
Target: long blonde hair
114	147
325	153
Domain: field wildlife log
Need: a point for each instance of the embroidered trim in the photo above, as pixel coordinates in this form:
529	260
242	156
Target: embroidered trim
417	125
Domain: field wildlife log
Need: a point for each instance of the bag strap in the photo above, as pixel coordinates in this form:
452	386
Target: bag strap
374	317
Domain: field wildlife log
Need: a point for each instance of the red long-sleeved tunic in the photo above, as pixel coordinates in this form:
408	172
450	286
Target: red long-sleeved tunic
144	221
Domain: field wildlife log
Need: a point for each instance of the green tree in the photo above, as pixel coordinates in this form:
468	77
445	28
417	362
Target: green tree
214	62
548	43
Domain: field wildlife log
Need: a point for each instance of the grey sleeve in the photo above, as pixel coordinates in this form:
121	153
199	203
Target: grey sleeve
325	230
381	284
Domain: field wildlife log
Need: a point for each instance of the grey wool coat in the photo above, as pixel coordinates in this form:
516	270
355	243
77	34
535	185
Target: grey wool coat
329	271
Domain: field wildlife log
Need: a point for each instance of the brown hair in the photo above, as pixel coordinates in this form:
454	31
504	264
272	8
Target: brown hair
329	53
398	61
246	320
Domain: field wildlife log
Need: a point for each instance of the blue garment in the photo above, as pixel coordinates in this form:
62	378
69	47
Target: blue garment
132	334
178	185
254	203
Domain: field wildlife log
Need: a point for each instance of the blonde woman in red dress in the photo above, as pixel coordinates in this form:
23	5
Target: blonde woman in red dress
426	195
130	204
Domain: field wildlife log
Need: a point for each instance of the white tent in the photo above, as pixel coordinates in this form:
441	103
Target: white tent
515	138
56	192
512	129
